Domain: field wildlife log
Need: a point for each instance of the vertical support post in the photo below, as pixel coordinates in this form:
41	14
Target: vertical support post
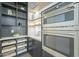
26	43
0	48
76	25
16	47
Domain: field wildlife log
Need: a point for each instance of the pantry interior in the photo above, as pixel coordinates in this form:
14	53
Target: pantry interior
39	29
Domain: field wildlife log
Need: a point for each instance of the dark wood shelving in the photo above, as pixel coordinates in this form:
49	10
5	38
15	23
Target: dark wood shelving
21	18
13	7
23	3
10	18
22	10
8	45
9	5
8	25
13	16
8	15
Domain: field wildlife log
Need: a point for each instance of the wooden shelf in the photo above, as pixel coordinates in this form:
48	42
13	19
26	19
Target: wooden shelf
12	12
24	4
35	25
22	10
24	45
9	5
13	16
10	55
22	51
13	7
8	43
9	49
21	18
16	37
21	40
8	15
36	19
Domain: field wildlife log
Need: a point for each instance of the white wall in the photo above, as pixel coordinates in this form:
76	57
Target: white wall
34	30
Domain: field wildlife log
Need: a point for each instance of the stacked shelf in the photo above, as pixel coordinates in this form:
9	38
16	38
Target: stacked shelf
21	46
13	17
10	42
21	50
20	40
9	54
13	21
8	48
9	51
13	47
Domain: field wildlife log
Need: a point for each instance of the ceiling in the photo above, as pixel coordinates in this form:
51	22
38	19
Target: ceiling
37	6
